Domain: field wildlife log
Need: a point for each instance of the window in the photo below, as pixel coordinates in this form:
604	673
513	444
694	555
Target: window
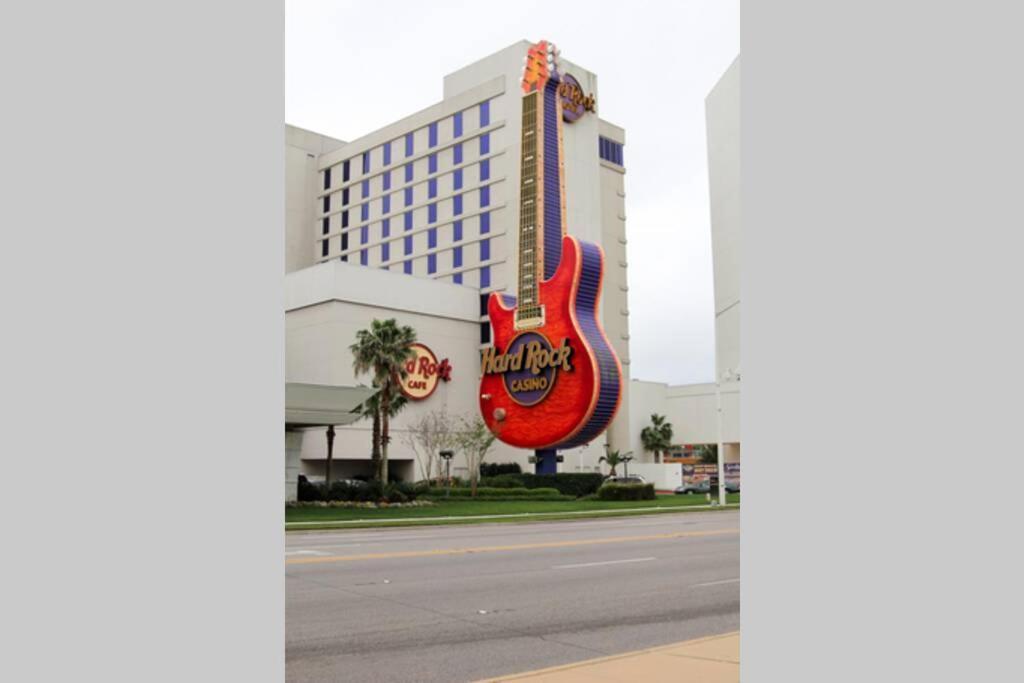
408	173
408	244
327	203
457	257
485	114
432	213
345	171
457	180
386	179
457	278
326	225
366	189
485	169
485	144
364	234
344	219
408	196
323	247
364	212
327	179
432	238
385	204
431	264
485	222
432	134
385	228
407	267
366	162
485	250
344	257
387	153
483	303
432	163
485	196
457	124
485	327
408	220
457	151
385	252
457	231
344	243
609	150
431	188
457	205
344	197
408	145
485	280
364	257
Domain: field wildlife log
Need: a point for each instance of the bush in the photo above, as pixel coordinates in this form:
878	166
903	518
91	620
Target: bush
496	469
626	492
489	492
576	484
503	481
368	492
309	491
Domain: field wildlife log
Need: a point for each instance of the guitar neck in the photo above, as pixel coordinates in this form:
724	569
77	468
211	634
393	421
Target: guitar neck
531	214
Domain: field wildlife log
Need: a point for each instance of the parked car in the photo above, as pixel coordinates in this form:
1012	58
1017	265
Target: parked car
631	479
703	486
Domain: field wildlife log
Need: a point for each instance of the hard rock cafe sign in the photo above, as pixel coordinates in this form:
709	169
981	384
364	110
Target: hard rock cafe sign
529	367
574	102
423	372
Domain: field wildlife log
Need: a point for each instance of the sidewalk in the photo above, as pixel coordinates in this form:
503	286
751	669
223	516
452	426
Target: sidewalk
715	659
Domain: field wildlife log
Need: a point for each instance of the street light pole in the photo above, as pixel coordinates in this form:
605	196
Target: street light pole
447	455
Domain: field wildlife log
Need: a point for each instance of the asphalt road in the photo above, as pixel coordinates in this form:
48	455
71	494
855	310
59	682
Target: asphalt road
461	603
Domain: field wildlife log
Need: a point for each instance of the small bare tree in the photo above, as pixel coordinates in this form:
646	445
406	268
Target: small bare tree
432	433
475	440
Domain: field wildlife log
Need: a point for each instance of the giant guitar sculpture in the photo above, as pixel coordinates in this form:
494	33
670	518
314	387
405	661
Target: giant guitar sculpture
551	379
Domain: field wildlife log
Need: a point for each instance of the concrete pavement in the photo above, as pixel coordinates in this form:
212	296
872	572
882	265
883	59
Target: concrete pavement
468	603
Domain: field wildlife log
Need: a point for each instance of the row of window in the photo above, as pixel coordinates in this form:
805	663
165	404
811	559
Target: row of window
483	272
609	150
365	158
457	202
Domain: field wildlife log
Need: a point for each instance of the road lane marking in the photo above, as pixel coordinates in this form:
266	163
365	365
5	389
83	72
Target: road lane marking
714	583
503	548
305	552
599	564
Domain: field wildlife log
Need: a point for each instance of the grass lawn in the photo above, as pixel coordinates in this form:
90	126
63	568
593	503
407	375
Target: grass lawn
463	508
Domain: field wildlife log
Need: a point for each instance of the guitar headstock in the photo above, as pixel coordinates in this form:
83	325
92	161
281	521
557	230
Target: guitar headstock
539	66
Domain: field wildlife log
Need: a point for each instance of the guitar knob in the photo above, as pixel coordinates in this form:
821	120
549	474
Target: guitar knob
486	397
499	414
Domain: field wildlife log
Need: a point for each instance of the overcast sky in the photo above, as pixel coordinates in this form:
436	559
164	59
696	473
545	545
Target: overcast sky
352	67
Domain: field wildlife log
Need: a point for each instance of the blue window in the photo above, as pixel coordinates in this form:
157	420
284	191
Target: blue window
408	244
485	278
432	213
344	244
485	144
609	150
457	151
366	189
485	222
387	153
364	234
431	188
385	204
386	179
432	134
457	180
431	264
366	162
485	169
408	220
327	203
457	124
327	179
432	163
385	228
345	168
323	248
485	250
408	173
408	144
407	267
408	196
385	251
457	278
432	238
364	257
457	231
326	225
457	257
364	212
457	204
485	196
344	197
485	114
344	219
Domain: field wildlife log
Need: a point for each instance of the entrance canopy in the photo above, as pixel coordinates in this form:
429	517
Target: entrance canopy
319	405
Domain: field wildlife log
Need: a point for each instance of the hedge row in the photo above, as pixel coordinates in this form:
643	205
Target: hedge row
494	469
490	492
576	484
626	492
368	492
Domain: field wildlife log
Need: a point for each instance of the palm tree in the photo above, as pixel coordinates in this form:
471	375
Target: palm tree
657	437
383	350
708	453
370	409
614	459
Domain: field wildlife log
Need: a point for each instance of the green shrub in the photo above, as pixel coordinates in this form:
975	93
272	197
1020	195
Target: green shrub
496	469
489	492
574	484
309	491
368	492
503	481
626	492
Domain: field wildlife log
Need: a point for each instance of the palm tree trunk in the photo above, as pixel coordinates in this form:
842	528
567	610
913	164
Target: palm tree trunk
375	452
385	407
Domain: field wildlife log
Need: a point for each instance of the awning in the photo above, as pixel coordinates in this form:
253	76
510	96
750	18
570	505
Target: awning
319	405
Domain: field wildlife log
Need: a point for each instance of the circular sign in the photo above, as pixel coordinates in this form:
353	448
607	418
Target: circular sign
524	386
423	372
574	102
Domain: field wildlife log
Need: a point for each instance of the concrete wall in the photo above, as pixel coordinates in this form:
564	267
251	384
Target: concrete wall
302	151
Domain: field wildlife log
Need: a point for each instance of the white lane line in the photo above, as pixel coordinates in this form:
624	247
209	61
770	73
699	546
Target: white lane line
598	564
714	583
305	552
